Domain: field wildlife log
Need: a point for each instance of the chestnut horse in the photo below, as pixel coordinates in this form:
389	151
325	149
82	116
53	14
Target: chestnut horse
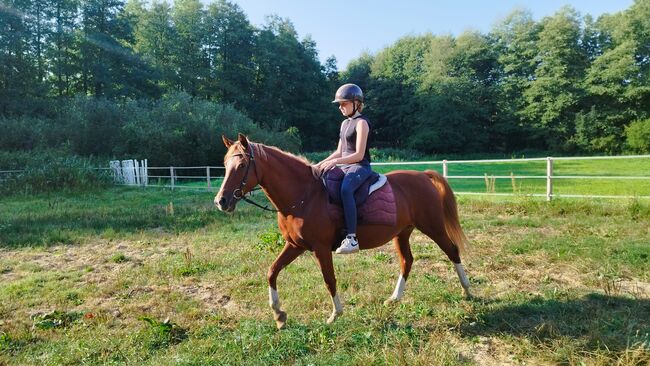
424	201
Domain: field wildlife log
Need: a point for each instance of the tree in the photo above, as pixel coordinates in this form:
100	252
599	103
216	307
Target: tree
617	82
155	40
62	46
396	75
190	59
290	88
554	95
358	72
109	67
457	96
229	43
515	44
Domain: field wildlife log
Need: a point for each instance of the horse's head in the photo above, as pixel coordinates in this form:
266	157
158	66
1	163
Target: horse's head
240	177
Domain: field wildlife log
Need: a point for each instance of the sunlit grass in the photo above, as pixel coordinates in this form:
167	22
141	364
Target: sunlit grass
561	282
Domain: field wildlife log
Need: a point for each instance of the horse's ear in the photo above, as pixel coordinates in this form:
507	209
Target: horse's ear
226	141
243	140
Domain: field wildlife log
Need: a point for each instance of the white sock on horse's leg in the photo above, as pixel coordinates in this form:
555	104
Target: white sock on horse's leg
279	315
274	299
399	288
463	278
337	309
336	303
399	291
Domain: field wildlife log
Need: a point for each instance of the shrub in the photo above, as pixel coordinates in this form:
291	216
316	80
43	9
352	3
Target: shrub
22	133
638	136
177	129
46	171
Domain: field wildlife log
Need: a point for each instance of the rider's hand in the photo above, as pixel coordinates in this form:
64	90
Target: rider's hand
327	165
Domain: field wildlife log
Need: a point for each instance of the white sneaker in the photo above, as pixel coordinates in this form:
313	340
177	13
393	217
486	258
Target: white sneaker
349	245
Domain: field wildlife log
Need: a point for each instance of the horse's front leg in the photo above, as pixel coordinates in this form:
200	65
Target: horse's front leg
324	258
288	254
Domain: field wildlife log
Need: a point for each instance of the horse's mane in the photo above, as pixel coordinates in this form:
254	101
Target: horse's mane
261	151
316	173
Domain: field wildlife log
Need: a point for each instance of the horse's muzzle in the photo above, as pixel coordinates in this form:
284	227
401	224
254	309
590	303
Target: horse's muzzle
223	204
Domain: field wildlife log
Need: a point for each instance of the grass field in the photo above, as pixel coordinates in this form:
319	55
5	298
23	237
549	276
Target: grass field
128	276
515	169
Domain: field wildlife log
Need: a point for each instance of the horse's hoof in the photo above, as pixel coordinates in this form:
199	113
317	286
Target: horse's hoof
467	295
280	319
332	318
390	301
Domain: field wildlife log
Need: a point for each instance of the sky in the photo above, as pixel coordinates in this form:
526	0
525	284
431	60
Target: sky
346	29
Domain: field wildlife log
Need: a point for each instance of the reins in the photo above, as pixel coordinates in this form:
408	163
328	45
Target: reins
238	193
265	208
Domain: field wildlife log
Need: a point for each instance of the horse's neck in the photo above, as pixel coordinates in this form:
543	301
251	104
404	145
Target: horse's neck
286	181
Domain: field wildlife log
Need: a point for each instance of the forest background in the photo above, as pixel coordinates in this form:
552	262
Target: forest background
99	79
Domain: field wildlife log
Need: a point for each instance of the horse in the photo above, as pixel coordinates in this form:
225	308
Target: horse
424	201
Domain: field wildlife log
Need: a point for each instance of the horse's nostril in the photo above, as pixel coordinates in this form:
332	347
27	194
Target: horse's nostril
222	202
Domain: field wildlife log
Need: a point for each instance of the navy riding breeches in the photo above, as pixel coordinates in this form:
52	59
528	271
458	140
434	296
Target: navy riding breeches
355	175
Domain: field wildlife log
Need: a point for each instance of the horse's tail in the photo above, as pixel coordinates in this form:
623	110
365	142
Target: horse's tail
452	223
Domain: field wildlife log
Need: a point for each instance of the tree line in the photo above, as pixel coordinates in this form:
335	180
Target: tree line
567	83
163	73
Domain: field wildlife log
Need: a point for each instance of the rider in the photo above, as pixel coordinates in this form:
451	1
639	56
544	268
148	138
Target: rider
354	155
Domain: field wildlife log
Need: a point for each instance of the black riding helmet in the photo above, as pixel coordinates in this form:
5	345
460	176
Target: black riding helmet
348	92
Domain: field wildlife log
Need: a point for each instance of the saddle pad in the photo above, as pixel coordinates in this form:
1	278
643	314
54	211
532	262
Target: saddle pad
332	180
379	208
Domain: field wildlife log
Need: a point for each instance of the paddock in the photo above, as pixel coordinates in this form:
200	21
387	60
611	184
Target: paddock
92	278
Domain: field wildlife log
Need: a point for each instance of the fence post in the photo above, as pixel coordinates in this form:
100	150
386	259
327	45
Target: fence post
549	178
444	168
136	170
207	172
146	172
171	176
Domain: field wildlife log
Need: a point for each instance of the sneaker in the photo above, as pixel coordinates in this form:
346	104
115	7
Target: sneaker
348	245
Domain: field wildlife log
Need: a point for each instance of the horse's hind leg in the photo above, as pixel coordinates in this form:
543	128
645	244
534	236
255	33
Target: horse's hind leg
438	234
403	248
288	255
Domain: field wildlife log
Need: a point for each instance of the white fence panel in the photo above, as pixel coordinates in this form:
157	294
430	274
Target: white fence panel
130	172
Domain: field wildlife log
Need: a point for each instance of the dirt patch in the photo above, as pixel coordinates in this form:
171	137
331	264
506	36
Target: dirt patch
208	295
487	352
101	256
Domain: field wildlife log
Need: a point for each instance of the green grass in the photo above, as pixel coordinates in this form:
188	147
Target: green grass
155	277
636	167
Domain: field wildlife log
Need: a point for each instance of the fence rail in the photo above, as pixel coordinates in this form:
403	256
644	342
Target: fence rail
206	177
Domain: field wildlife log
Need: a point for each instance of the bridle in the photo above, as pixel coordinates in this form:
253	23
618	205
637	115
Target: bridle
238	193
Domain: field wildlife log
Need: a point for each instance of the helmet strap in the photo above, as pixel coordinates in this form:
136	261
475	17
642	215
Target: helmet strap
354	109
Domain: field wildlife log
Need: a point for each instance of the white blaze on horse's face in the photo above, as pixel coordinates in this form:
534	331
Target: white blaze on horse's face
235	170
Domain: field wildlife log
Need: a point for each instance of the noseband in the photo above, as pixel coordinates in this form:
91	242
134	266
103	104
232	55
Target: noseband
238	194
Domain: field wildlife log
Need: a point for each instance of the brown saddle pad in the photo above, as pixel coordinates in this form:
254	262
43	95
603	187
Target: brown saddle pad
379	208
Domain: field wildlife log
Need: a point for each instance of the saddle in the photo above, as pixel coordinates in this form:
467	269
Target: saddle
374	198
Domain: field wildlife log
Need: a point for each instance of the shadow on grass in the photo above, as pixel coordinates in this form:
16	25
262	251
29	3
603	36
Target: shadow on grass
595	320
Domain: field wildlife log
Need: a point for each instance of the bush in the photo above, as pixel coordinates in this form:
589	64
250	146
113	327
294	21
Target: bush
181	130
177	130
46	171
22	133
638	136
